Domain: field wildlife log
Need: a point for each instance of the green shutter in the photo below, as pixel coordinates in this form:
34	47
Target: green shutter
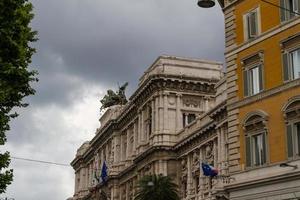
246	87
264	153
298	6
283	12
253	24
289	133
248	152
297	133
285	63
260	71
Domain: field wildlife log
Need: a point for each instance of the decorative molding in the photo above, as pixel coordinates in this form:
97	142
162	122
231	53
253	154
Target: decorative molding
264	94
262	37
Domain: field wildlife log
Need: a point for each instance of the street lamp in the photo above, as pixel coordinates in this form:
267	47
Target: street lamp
206	3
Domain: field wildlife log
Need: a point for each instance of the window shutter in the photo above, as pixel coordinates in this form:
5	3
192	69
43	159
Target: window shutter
246	86
253	24
264	153
260	71
248	152
289	141
285	66
297	4
297	133
283	12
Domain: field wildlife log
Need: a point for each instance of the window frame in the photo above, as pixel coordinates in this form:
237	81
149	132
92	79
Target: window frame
285	15
251	136
294	156
254	124
288	74
185	118
249	89
247	28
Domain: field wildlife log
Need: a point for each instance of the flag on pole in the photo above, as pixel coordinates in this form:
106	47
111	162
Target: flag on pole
209	170
104	175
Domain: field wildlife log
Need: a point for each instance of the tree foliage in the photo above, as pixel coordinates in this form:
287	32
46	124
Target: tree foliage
15	77
156	187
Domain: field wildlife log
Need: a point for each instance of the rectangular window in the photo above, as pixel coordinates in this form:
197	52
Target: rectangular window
293	139
289	9
188	118
253	82
256	150
291	65
259	151
251	24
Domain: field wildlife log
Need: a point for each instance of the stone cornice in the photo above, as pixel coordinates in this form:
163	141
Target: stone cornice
217	109
201	133
257	182
150	151
264	94
275	30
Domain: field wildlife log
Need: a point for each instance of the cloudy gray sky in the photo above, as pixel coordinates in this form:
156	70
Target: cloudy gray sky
84	48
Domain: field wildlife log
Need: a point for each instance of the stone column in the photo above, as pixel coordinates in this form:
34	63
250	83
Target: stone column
206	99
142	126
76	183
156	125
139	127
178	112
135	138
165	112
153	116
121	147
201	177
107	152
219	166
189	176
161	113
223	151
128	144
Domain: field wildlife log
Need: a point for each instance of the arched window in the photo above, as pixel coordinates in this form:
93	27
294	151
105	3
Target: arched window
291	112
256	139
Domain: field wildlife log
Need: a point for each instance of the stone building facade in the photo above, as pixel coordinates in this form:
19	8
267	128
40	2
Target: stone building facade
185	111
174	120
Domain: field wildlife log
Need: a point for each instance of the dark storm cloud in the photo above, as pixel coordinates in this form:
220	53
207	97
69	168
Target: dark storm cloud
115	41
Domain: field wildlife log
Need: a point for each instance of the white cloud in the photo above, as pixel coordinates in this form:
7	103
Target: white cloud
53	134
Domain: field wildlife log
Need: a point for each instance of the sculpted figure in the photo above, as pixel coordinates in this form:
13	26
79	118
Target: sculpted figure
209	155
112	98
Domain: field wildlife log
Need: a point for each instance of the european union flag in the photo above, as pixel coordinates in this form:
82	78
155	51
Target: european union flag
104	172
209	170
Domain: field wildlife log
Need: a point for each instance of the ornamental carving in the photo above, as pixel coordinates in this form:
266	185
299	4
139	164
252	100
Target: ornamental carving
193	102
196	164
130	190
123	193
209	153
183	170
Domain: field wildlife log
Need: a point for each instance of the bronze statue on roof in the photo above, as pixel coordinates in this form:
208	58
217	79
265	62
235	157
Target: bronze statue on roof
114	98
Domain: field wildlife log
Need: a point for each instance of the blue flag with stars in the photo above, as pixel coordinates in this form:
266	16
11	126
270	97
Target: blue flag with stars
104	172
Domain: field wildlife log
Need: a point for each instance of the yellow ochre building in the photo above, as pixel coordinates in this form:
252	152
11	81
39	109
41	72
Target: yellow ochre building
263	89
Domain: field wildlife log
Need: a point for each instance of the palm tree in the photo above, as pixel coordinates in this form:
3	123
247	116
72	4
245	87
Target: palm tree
156	187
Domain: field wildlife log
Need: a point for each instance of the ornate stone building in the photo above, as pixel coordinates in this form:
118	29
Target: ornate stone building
246	123
174	120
